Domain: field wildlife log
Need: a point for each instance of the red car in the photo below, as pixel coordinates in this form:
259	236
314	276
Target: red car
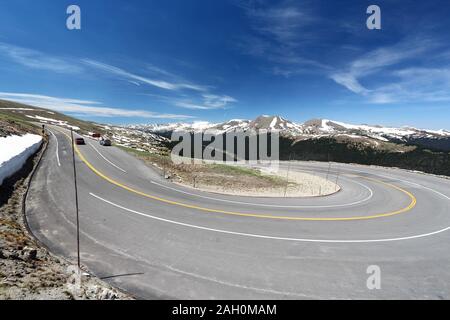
79	141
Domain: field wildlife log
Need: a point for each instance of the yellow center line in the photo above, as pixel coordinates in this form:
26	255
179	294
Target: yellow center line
411	205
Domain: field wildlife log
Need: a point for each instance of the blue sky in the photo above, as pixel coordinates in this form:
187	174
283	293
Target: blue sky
176	60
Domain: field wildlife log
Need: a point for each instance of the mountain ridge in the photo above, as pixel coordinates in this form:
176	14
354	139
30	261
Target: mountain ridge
278	123
314	128
314	140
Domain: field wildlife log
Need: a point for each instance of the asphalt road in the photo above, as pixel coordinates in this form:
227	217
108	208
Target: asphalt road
158	240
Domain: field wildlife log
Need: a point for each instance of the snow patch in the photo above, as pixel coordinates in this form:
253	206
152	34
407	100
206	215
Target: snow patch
326	127
273	123
396	132
15	151
18	109
54	121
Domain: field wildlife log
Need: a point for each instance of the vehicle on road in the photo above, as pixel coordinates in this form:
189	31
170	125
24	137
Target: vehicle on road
105	142
96	135
80	141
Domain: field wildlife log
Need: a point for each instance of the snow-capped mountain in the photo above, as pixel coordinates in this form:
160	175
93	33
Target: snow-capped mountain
439	139
231	125
311	127
169	127
324	126
261	122
275	123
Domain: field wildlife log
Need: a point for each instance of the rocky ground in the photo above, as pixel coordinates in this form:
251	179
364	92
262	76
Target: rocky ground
239	180
10	127
29	271
287	185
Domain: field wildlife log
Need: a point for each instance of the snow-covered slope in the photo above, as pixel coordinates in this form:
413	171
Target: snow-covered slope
14	152
315	128
276	123
405	134
231	125
61	123
262	122
169	127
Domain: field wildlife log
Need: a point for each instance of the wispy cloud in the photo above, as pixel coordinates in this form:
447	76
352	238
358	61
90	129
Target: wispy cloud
377	60
204	102
414	85
280	31
397	82
160	78
282	23
38	60
160	71
209	102
215	101
349	81
84	107
162	84
185	92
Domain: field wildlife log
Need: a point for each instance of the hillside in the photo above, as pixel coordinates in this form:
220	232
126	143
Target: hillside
374	134
16	116
317	139
327	140
21	114
348	150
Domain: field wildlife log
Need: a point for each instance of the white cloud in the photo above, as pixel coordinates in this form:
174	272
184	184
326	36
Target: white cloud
399	83
415	85
83	107
280	22
375	61
191	105
37	60
163	79
280	34
349	81
197	92
209	102
162	84
217	102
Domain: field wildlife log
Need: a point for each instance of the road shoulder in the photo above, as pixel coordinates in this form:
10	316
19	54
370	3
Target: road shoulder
28	271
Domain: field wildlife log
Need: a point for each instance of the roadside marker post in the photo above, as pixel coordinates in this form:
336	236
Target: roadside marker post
337	178
76	200
329	168
287	175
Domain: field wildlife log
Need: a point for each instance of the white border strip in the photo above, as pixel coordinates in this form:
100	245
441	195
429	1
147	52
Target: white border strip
405	181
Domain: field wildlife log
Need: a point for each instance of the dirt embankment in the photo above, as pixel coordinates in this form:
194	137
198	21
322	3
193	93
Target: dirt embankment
29	271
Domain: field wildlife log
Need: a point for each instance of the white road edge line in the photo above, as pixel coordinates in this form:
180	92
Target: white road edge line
405	181
269	237
271	205
57	147
101	155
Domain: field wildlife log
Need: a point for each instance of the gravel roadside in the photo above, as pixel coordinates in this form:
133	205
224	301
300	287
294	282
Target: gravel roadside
28	271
